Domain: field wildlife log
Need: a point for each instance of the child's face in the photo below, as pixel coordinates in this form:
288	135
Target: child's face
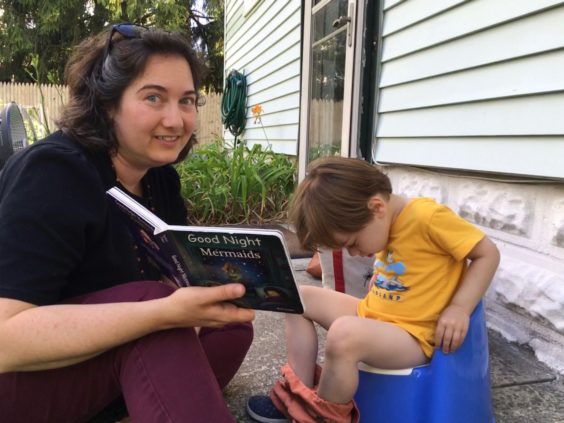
370	239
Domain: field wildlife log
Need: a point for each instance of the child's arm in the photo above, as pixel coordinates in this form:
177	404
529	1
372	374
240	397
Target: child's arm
453	322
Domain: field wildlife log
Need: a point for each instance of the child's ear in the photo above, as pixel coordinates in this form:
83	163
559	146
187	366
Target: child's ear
377	205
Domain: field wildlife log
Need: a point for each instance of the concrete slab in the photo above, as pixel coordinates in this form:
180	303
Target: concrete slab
524	390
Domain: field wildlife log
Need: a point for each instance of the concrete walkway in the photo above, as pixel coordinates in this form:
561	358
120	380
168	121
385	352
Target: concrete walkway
524	390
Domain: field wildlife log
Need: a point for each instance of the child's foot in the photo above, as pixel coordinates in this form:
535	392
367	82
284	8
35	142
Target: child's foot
262	409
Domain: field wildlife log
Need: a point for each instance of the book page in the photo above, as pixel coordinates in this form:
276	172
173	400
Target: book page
136	210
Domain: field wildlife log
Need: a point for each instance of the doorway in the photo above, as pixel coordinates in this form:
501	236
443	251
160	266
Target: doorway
327	80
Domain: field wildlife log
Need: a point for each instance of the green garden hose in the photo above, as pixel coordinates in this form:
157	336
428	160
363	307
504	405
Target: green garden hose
234	103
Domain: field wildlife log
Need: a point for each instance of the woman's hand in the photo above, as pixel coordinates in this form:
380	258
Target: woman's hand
452	328
205	306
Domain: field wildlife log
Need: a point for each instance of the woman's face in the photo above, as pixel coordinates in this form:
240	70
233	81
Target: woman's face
156	115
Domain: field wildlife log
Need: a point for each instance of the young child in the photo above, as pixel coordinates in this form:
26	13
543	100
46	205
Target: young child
420	297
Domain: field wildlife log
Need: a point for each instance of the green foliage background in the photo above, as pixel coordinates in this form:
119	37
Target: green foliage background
238	185
44	32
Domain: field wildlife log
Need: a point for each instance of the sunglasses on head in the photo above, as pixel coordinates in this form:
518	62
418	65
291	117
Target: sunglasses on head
126	30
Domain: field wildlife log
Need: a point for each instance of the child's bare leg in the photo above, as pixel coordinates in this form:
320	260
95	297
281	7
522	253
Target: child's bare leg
354	339
301	344
322	306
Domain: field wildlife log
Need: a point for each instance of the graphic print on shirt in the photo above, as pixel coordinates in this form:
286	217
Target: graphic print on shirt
387	273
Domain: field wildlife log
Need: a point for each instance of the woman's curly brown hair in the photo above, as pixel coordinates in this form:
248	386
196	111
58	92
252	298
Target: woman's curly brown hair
96	83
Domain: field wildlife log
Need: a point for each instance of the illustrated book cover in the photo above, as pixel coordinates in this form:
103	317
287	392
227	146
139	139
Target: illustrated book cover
210	256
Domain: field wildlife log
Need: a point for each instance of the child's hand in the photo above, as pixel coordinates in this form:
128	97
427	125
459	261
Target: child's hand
452	328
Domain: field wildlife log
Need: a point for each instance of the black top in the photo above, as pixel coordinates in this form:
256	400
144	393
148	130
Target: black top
60	234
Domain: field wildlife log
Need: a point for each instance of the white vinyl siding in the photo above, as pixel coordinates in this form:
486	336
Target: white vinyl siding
391	3
476	85
265	46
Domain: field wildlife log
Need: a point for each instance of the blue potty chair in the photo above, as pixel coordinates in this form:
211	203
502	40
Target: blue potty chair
452	388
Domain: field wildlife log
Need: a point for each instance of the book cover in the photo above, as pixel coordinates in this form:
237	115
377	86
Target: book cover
211	256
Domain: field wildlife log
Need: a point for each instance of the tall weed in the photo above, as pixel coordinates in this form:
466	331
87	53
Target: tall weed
238	185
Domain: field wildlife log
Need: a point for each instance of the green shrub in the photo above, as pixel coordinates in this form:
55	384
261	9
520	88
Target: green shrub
236	185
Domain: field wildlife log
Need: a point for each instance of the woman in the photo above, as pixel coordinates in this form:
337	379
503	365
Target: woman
70	316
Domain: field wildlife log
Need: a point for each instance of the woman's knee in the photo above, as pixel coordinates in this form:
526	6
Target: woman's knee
243	331
234	333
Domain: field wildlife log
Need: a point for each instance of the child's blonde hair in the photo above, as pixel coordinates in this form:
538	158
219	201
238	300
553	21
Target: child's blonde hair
333	198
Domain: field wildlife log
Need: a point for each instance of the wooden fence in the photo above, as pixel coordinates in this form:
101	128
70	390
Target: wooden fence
44	103
209	119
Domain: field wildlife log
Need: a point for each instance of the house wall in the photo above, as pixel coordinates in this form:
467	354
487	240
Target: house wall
264	43
464	85
477	85
473	84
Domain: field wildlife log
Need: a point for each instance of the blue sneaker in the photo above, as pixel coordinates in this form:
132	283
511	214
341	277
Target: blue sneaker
262	409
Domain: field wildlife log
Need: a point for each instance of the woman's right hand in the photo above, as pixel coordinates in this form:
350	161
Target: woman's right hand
205	306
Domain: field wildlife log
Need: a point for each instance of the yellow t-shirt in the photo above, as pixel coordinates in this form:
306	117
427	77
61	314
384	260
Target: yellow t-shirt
419	272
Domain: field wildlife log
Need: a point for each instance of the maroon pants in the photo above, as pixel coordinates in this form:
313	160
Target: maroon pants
169	376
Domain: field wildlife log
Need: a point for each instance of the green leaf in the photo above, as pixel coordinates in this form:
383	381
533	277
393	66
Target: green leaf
236	185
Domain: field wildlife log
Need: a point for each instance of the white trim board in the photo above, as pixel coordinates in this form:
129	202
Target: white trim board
520	116
542	156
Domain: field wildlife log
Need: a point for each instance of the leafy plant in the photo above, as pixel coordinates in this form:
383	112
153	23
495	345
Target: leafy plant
237	185
323	150
49	29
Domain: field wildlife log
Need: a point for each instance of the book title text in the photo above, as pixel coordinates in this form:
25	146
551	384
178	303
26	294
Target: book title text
227	240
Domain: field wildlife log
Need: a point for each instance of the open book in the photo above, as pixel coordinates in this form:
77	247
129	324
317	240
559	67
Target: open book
209	256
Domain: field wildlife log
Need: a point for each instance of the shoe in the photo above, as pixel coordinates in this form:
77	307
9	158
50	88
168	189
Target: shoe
262	409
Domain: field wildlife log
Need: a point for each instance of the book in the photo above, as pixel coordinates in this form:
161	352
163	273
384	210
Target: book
215	255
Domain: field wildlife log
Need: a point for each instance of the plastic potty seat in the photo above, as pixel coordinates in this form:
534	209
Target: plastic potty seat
452	388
